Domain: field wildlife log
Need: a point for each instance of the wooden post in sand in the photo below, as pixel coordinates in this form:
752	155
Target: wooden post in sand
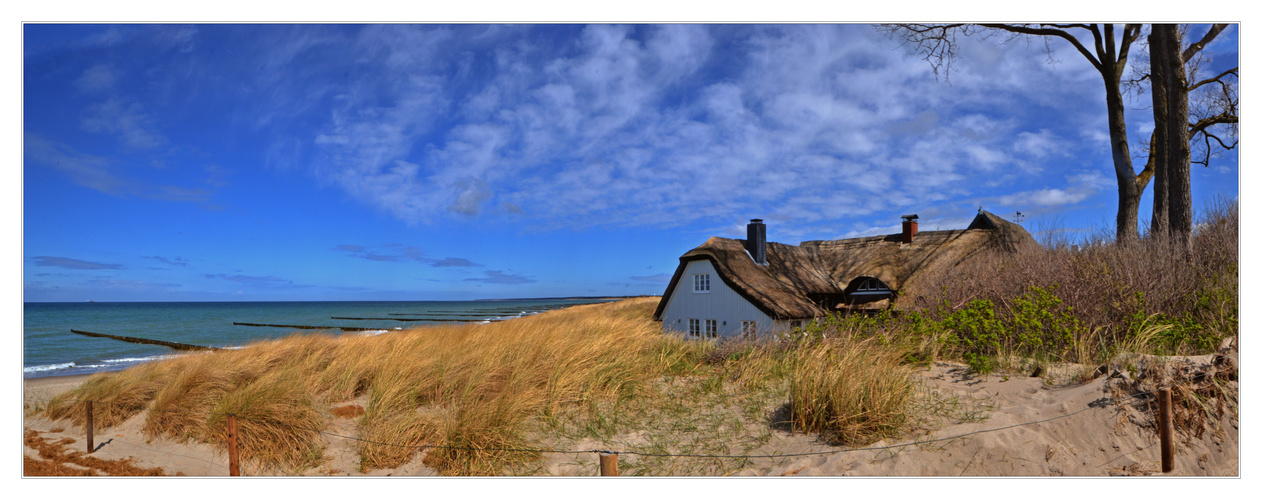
1166	422
608	464
88	411
234	464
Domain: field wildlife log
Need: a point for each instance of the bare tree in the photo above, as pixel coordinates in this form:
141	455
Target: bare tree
1108	55
1173	72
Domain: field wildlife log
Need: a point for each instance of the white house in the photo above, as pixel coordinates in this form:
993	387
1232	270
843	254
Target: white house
728	287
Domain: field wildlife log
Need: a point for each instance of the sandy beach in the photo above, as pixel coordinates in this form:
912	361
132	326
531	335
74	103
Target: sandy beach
1074	439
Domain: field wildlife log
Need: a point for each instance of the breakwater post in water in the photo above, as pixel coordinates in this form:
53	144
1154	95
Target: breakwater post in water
310	327
174	345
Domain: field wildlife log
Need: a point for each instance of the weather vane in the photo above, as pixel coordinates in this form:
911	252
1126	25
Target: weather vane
1019	217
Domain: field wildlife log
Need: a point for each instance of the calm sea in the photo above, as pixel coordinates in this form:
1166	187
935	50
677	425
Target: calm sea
51	349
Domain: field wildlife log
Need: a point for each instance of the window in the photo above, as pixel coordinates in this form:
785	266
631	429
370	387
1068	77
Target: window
870	286
795	324
711	328
701	283
694	327
749	328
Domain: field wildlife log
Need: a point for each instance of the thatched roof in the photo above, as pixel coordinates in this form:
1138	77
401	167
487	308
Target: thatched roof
798	281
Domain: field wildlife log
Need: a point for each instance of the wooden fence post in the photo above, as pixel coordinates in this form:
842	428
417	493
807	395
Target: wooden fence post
608	464
1166	422
234	464
88	411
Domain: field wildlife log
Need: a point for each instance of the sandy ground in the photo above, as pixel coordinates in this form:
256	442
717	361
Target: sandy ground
1103	440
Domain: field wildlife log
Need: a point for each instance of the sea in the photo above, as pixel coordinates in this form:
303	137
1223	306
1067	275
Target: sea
50	348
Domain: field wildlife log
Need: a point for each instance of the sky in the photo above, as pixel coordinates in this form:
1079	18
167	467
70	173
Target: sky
223	162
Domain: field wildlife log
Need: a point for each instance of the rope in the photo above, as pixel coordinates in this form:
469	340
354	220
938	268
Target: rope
171	453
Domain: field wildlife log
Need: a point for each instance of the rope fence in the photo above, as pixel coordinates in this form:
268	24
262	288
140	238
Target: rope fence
609	460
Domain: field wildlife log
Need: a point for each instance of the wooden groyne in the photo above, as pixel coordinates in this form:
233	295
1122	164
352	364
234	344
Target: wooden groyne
415	319
310	327
174	345
440	313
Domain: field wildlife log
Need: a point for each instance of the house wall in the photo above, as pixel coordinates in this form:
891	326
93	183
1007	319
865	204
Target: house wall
720	303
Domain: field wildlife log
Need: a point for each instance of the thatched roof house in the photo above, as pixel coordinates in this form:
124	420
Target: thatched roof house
766	286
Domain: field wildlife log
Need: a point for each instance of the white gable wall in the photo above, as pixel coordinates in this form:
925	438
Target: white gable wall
721	304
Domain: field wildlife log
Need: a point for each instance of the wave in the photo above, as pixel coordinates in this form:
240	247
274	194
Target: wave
103	365
48	368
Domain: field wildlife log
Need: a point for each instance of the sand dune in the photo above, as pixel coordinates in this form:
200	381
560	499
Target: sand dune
1079	432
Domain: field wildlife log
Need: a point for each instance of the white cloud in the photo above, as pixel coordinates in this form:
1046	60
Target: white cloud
1045	197
670	124
97	78
86	170
123	119
1039	144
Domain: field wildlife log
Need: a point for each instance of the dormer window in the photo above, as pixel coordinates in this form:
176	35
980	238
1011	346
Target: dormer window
701	283
870	286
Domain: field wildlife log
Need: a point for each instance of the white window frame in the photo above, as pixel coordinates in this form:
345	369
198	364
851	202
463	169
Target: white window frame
701	283
694	327
872	286
749	328
711	328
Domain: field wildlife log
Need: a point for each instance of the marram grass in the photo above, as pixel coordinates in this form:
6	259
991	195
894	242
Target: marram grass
459	386
467	396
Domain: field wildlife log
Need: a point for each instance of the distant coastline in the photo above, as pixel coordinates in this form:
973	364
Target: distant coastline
576	297
593	297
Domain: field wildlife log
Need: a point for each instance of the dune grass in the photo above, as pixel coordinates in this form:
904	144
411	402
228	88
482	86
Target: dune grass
469	395
449	386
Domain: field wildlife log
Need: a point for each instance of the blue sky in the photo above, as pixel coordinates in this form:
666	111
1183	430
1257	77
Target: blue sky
452	162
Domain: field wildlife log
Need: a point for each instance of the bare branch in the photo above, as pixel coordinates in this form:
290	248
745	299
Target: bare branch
1059	33
1233	71
1209	149
1129	34
936	42
1069	26
1209	37
1204	123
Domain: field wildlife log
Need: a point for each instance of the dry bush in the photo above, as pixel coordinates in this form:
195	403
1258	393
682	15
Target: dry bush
1113	289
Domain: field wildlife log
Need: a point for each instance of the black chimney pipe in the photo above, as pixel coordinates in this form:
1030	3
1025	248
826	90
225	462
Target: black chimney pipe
756	241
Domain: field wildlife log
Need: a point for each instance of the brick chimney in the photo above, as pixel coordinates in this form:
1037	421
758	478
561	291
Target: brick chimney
909	227
756	241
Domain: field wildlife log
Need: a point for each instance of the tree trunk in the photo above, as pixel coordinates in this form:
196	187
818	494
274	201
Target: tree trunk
1159	226
1178	152
1128	191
